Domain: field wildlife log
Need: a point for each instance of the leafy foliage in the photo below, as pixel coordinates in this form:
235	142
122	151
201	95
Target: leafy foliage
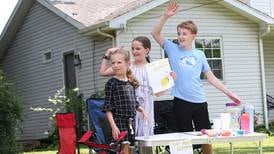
10	115
62	102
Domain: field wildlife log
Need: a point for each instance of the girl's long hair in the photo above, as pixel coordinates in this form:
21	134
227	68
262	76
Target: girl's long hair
146	44
131	78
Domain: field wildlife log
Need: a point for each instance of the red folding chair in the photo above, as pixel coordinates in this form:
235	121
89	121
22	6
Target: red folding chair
102	148
98	142
67	133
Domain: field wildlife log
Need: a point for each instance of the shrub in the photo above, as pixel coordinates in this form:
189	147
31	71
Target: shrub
61	102
10	116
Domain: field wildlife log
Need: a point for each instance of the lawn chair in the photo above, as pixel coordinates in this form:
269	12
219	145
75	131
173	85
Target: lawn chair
99	139
67	133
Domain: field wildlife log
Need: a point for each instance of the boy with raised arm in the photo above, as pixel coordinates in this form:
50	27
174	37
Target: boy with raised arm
188	63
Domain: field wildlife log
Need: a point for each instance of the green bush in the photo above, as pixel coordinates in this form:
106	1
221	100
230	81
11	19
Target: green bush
64	101
10	116
76	104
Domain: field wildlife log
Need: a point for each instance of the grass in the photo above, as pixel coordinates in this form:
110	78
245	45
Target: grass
245	147
219	148
83	150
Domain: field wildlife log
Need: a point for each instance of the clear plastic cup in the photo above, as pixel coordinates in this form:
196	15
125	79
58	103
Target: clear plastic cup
217	125
225	121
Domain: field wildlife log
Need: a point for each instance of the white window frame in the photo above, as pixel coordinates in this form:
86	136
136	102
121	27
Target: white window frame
44	56
221	50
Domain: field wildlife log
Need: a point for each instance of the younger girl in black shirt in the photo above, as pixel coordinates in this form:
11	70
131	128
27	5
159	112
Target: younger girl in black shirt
120	99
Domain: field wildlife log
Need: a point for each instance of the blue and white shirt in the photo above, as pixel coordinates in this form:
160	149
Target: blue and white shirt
188	66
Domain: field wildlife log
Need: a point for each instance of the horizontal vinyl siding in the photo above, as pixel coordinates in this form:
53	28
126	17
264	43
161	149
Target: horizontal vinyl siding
101	47
35	80
240	47
269	70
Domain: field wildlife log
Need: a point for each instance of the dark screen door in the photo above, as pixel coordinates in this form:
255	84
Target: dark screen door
69	70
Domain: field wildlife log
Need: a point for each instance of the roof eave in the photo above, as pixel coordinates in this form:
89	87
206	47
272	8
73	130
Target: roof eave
247	11
21	9
92	29
121	21
69	19
237	6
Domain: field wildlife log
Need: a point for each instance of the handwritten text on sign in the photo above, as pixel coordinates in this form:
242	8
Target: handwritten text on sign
159	75
181	147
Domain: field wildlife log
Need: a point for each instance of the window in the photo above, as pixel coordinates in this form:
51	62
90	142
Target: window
213	52
47	56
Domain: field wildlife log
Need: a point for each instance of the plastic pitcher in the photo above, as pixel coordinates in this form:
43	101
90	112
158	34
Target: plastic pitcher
235	113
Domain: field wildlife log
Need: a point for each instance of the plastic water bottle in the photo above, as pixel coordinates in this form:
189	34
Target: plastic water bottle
245	122
250	109
146	129
131	132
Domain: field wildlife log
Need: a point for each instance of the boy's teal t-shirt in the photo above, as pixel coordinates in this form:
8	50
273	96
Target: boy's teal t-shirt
188	66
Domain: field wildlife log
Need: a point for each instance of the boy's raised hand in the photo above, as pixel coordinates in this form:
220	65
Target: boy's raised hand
171	9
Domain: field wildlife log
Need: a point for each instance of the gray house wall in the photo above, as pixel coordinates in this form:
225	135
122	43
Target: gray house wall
269	70
239	36
101	46
36	80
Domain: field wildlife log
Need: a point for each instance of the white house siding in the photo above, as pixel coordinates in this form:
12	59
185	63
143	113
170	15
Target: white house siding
269	70
240	45
262	5
36	80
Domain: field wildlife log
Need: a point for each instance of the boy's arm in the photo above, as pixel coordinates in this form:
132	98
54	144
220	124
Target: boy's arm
219	85
156	32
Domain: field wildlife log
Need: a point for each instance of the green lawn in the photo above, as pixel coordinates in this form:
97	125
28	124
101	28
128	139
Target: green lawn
219	148
82	151
245	147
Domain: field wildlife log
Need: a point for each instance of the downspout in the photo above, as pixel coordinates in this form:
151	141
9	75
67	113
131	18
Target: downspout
107	35
261	51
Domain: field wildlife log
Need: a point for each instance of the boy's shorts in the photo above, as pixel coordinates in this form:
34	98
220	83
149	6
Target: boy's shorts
188	113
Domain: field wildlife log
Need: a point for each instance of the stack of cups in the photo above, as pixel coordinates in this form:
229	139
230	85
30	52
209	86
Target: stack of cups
225	121
217	126
222	123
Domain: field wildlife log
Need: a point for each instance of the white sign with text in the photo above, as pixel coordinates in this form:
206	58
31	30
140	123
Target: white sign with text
159	75
181	147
